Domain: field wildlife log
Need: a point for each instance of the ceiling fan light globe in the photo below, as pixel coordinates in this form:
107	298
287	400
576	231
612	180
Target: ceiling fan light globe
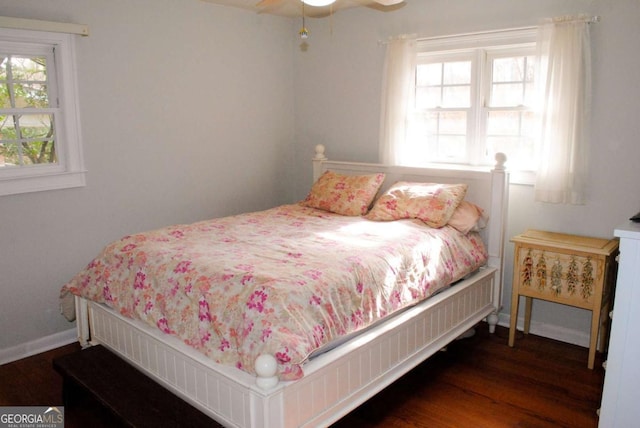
318	3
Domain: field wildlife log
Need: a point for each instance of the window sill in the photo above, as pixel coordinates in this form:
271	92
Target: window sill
64	180
519	177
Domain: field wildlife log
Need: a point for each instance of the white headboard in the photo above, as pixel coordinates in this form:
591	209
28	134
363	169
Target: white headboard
488	188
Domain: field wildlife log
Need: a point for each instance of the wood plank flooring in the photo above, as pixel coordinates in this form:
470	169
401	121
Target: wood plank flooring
477	382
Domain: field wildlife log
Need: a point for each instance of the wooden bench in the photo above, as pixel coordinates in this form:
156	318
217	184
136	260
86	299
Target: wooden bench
131	396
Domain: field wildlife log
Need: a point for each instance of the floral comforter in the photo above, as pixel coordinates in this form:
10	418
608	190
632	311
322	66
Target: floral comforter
284	281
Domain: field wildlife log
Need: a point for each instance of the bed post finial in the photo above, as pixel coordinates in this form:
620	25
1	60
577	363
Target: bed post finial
318	159
501	159
266	367
320	153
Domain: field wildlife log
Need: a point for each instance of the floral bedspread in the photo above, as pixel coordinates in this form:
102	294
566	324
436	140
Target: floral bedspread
283	281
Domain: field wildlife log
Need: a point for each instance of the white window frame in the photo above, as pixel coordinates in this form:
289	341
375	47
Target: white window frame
69	171
483	45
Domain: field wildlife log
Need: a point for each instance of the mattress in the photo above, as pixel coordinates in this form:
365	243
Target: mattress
285	281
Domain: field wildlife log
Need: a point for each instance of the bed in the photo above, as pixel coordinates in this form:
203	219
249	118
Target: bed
315	378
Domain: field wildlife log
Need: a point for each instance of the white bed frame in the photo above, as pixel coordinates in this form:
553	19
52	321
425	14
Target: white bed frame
340	380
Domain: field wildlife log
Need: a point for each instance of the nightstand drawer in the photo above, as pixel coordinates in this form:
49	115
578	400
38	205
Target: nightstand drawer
560	277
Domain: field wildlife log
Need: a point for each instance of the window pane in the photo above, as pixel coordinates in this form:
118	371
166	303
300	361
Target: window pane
5	101
432	123
29	141
30	95
512	81
530	68
512	123
451	147
28	68
8	154
38	152
448	122
429	74
442	134
457	73
503	123
529	94
456	96
530	125
35	126
23	82
507	94
29	126
508	69
513	133
7	128
445	84
27	153
454	122
428	97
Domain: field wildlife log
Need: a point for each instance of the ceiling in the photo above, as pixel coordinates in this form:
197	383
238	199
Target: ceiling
293	8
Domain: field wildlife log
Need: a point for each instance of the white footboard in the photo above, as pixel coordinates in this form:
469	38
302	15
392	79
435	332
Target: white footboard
334	383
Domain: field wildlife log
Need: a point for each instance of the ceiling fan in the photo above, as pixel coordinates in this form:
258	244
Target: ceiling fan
312	8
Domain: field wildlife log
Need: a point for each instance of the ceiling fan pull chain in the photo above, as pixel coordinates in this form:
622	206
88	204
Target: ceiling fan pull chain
304	33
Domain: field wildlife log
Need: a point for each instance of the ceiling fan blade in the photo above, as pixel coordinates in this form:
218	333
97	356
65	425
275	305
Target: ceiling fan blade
385	5
382	5
268	3
388	2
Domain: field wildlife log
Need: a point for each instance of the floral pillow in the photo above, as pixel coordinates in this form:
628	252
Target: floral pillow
344	194
468	217
432	203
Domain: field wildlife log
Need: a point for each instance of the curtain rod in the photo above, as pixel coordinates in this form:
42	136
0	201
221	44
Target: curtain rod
37	25
570	18
588	19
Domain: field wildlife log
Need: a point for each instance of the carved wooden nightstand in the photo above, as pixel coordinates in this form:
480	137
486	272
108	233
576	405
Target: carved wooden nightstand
573	270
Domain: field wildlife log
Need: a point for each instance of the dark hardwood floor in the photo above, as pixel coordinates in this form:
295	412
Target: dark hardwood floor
477	382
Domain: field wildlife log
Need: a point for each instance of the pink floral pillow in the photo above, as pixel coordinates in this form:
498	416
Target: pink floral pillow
432	203
344	194
468	217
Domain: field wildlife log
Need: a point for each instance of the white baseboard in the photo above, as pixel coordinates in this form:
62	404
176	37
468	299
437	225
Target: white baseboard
37	346
563	334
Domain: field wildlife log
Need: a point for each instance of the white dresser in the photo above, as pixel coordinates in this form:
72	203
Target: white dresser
621	394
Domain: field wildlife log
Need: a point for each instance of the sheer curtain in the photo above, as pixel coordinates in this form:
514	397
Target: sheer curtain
398	83
565	76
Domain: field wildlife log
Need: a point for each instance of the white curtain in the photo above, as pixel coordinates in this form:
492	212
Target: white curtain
398	83
565	76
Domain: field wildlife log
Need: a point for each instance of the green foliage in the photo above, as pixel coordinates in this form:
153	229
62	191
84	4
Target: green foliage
26	135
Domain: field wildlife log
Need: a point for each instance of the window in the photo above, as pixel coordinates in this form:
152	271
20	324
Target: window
474	97
39	130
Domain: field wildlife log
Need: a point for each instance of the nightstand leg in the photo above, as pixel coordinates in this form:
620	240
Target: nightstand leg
595	325
515	301
605	323
527	314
